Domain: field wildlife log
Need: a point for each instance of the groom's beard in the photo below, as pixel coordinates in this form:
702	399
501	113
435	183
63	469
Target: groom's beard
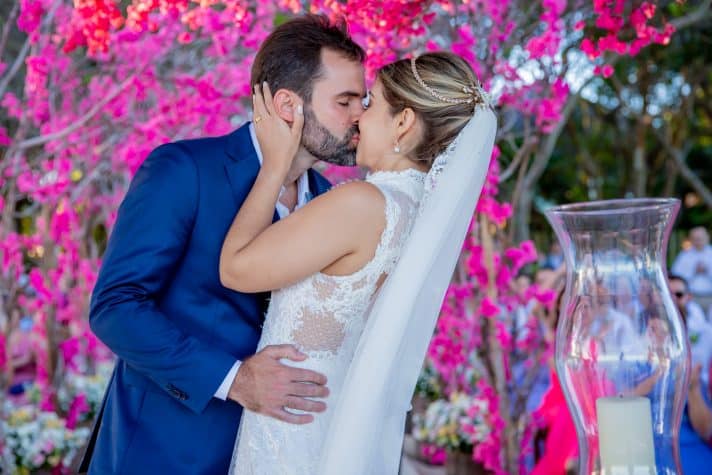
321	143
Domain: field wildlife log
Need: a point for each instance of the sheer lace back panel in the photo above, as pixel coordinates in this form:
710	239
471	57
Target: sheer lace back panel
324	316
323	312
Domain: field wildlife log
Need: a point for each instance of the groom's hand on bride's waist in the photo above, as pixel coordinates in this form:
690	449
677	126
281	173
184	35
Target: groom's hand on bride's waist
265	385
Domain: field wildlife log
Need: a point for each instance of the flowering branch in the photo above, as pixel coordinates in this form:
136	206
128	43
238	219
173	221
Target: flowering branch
77	124
15	68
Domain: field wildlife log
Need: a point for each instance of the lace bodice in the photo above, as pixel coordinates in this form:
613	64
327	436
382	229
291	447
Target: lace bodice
324	315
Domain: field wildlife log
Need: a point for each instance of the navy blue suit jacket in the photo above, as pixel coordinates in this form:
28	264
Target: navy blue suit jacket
159	305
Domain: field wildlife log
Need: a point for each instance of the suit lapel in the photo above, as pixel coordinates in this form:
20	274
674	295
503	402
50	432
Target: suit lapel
242	165
317	183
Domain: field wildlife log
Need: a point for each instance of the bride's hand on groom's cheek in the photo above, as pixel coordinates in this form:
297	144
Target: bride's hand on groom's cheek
278	122
266	386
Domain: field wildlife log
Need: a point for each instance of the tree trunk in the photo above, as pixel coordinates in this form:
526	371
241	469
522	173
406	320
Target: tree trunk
511	449
640	165
679	157
693	180
523	206
671	174
522	215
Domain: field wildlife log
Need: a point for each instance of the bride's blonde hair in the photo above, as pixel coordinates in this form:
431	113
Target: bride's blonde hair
442	90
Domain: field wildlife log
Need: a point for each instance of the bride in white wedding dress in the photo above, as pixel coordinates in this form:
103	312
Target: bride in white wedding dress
327	261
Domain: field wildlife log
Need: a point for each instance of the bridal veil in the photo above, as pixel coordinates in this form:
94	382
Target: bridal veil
366	432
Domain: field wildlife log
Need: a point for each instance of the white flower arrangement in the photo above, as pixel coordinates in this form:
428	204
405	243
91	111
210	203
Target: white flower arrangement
458	423
92	386
429	385
36	440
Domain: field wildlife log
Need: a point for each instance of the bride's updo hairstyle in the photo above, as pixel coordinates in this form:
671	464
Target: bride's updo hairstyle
442	90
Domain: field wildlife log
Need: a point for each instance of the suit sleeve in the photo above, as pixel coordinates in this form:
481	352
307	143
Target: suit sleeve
148	242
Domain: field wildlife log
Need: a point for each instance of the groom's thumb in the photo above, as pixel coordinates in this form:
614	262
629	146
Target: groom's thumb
286	351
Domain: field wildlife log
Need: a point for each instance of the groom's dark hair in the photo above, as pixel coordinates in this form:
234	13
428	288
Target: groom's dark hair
290	57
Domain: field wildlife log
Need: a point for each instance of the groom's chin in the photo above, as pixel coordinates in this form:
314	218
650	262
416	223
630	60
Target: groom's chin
349	161
340	164
346	159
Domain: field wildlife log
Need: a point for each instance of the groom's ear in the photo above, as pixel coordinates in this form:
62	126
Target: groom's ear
285	103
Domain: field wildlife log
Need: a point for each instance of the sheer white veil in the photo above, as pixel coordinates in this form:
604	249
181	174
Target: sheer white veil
366	432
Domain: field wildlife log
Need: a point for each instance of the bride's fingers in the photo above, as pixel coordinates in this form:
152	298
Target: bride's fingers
305	404
298	122
258	103
267	97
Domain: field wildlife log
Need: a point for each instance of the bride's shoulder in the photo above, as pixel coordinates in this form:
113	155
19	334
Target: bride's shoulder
356	193
355	202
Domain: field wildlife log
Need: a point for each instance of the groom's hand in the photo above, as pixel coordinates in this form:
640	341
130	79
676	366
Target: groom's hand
266	386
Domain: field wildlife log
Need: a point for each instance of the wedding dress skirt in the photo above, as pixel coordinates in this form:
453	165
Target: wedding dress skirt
324	317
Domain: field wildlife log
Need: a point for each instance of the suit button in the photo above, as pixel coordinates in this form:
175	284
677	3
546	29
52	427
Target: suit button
174	391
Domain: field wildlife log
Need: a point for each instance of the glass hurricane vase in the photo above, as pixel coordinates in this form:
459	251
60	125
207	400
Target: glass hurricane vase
621	348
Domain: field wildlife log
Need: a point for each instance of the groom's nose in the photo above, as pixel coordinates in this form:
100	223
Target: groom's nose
356	114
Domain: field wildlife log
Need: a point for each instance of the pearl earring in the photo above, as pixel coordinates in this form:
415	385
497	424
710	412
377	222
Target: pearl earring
396	148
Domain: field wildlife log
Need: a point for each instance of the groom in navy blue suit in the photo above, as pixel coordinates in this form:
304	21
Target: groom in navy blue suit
185	344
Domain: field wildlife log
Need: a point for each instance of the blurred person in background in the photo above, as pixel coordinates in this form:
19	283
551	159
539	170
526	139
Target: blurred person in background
695	428
698	407
22	364
555	441
694	436
695	266
699	331
554	258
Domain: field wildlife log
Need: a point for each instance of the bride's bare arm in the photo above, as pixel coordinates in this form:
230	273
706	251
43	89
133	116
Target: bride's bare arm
341	222
258	256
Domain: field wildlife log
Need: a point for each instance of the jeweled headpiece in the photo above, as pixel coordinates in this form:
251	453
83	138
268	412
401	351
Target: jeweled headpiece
475	91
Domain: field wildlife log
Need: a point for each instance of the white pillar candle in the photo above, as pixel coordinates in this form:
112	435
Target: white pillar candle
625	435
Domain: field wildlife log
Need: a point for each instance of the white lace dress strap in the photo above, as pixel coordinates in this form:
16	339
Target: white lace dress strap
382	258
402	192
